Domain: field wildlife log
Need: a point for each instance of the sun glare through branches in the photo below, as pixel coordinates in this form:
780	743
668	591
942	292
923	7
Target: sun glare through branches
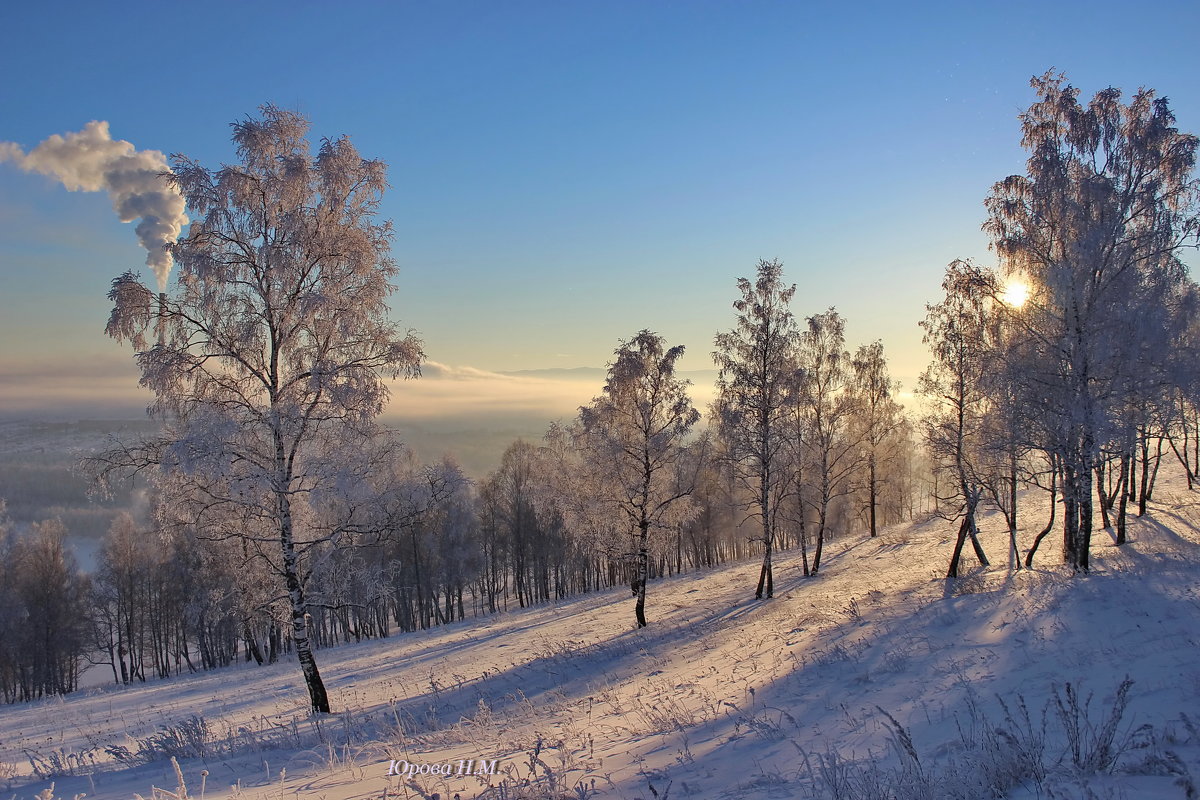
1016	293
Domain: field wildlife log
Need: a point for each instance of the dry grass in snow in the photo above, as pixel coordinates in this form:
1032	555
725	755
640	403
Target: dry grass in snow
877	679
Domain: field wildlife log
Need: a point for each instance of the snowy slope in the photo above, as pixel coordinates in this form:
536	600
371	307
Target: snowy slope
722	696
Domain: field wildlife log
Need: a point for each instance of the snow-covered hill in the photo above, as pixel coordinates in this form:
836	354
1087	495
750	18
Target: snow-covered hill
875	679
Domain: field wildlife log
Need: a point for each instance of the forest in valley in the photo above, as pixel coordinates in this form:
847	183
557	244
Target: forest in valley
281	518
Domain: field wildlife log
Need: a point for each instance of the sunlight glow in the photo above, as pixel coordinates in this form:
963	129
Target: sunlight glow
1016	293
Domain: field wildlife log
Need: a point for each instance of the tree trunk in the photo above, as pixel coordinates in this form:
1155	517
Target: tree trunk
1085	522
1049	525
1145	474
1104	520
873	491
1184	457
766	582
643	574
1124	496
252	648
1154	472
1196	449
956	556
1077	505
822	516
300	620
803	534
973	532
816	564
1070	516
1014	554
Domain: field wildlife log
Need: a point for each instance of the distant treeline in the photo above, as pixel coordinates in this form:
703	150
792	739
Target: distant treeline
179	596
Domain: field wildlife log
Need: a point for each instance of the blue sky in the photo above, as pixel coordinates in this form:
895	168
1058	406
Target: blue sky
566	173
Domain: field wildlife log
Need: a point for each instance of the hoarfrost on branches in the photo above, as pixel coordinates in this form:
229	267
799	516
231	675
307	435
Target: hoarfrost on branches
634	438
267	361
1096	225
755	388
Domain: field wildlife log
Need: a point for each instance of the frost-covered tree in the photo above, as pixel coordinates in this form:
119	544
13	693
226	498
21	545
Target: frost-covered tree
456	531
1181	417
826	410
1096	225
9	611
1008	429
957	333
634	436
430	548
43	601
513	516
754	391
122	584
267	362
877	418
711	536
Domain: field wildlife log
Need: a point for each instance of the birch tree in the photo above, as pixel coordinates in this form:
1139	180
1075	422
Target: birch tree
956	331
1096	224
43	597
635	434
877	418
754	390
271	353
826	409
512	493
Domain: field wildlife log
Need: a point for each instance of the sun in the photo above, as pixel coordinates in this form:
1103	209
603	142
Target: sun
1016	293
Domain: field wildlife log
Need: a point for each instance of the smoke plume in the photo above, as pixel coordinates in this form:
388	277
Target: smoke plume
91	161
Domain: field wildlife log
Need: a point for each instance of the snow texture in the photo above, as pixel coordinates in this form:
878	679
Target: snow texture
720	697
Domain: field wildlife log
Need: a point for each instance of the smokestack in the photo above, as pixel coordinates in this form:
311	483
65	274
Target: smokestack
91	161
162	318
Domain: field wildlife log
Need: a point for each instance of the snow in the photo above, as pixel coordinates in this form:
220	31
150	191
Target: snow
720	697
